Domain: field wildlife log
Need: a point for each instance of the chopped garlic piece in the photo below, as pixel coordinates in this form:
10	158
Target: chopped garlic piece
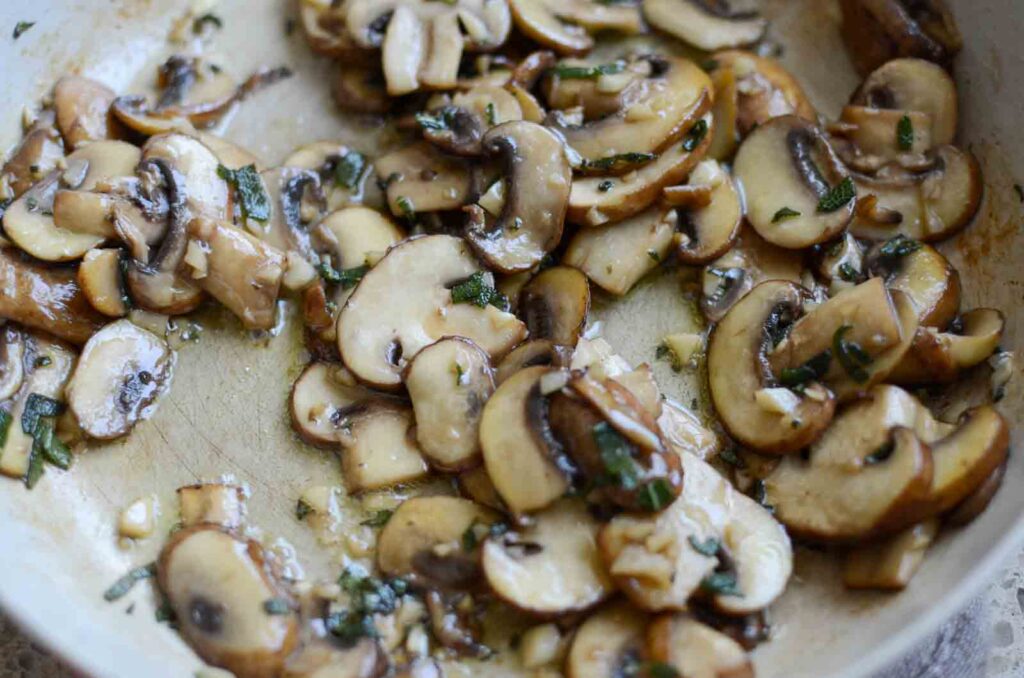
777	400
138	519
540	645
494	199
298	273
685	347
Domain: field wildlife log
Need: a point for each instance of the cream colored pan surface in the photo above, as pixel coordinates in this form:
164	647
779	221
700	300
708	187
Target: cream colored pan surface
226	412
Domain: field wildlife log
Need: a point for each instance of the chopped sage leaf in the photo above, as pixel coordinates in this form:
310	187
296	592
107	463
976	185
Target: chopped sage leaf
729	456
378	519
709	548
46	443
37	406
406	207
5	426
252	196
847	272
661	670
350	169
588	72
812	370
850	355
492	114
302	509
655	257
720	584
21	27
783	214
898	247
656	495
207	19
125	584
348	278
35	468
838	197
276	606
695	135
617	457
477	290
620	162
905	133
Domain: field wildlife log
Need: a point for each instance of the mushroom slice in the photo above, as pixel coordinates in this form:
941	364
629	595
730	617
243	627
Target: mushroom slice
978	501
476	485
458	128
45	298
797	191
430	541
940	357
38	154
323	659
673	99
517	444
538	180
358	89
923	274
82	204
876	31
695	650
555	304
876	133
418	178
101	279
914	85
566	26
220	504
530	354
323	399
122	372
448	383
12	361
725	137
661	561
706	229
342	171
705	25
595	201
323	24
606	642
378	449
28	222
83	110
606	89
205	193
737	350
296	200
218	586
684	431
423	289
616	256
551	567
928	206
890	564
867	476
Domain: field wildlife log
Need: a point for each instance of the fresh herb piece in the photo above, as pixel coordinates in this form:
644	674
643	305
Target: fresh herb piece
656	495
617	457
21	27
492	113
302	509
720	584
53	450
620	162
588	72
710	65
276	606
252	196
605	186
661	670
850	355
350	169
883	452
201	22
812	370
898	247
695	135
905	133
379	518
123	585
838	197
655	257
349	627
35	468
406	207
459	373
5	426
729	456
783	214
36	407
367	596
847	272
479	291
709	548
348	278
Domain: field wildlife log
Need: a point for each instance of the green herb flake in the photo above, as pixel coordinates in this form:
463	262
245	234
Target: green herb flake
812	370
654	256
347	278
36	407
709	547
898	247
492	113
783	214
5	427
252	196
379	518
50	447
620	162
710	65
21	27
617	457
720	584
588	72
905	133
405	207
35	468
302	509
125	584
665	351
838	197
368	596
479	291
850	355
471	536
656	495
165	613
459	373
350	169
847	272
605	186
276	606
695	135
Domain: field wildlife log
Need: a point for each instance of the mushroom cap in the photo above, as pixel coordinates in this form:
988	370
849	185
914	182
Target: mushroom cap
704	24
696	649
604	640
925	276
913	85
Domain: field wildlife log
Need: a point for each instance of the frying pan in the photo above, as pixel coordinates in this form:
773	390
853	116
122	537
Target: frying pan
225	414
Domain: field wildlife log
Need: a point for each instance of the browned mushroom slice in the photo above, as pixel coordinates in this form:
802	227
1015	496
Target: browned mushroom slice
517	443
476	485
930	205
606	642
28	222
79	205
34	158
205	193
358	89
101	278
45	298
705	25
431	541
671	103
877	136
978	501
419	178
890	564
531	354
738	346
797	192
555	305
617	256
696	650
324	659
12	361
551	567
595	201
122	372
459	128
423	289
237	269
296	201
876	31
342	170
220	587
323	23
914	85
220	504
566	26
378	448
709	214
923	274
322	400
448	383
940	357
598	90
538	180
83	110
755	89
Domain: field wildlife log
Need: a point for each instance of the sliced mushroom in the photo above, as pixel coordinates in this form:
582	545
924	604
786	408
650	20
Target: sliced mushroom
940	357
705	25
596	201
551	567
617	256
696	650
405	303
663	560
323	659
28	222
218	586
448	383
323	399
220	504
759	89
425	541
378	448
83	110
358	89
566	26
737	350
296	200
877	135
323	24
458	127
706	229
80	205
913	85
538	180
890	564
608	89
101	279
606	642
418	178
794	185
923	274
38	154
531	354
725	137
876	31
928	206
342	171
12	361
978	501
517	444
684	431
555	304
476	485
122	372
45	298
